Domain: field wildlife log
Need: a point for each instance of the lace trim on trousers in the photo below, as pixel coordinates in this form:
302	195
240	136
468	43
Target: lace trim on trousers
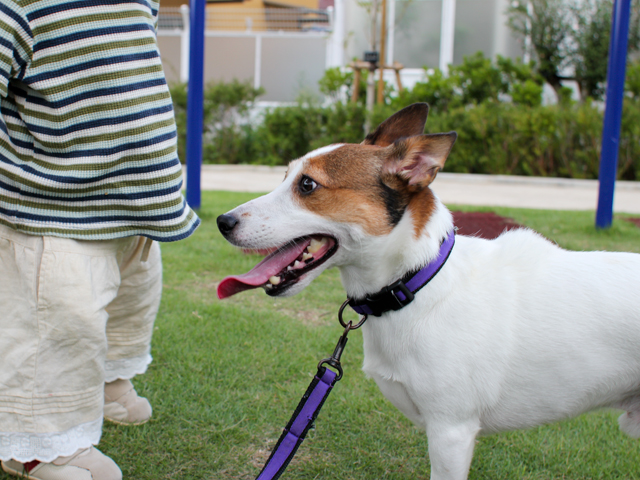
46	447
126	368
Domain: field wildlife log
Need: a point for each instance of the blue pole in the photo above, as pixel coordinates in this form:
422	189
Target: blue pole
613	111
195	100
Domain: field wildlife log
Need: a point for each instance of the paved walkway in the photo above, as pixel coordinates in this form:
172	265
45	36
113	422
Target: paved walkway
455	188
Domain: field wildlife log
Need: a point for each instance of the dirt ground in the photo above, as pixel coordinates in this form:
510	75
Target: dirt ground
482	224
633	220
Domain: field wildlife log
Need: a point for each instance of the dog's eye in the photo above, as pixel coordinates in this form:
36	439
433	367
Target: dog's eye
307	185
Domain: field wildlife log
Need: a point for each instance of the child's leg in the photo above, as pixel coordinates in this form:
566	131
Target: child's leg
53	298
129	329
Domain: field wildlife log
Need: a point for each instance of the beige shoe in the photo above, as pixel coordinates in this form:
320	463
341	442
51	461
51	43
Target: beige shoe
123	406
86	464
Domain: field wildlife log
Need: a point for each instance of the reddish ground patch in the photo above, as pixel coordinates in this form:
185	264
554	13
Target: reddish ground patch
482	224
633	220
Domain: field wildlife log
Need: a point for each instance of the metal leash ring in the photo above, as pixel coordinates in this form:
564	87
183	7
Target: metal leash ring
334	360
350	325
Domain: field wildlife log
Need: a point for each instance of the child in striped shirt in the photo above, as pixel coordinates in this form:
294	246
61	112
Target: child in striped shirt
89	184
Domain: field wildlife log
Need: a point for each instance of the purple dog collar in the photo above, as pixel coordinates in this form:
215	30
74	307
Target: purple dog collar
401	293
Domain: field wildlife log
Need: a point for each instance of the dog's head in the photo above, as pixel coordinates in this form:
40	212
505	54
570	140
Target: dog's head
338	204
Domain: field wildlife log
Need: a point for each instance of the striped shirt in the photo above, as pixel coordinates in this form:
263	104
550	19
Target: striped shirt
87	131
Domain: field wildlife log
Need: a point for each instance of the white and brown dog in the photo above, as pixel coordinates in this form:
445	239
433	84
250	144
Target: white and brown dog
508	334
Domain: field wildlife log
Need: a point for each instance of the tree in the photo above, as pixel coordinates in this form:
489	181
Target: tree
548	25
569	39
592	35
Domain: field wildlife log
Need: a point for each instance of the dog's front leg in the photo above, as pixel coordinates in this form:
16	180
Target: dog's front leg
451	448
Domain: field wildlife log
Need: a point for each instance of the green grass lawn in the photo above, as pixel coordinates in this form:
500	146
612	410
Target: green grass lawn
227	375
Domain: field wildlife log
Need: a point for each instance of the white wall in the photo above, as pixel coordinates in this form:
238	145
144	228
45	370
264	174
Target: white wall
480	25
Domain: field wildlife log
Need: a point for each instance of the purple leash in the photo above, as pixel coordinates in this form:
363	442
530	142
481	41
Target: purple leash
309	407
392	297
300	423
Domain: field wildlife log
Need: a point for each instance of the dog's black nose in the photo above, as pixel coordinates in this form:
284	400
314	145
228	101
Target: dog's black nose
226	223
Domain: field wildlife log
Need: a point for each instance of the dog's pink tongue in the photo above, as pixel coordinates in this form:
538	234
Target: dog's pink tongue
260	274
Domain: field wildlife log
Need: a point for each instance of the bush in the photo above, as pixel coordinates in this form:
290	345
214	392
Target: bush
226	108
438	91
511	140
287	133
632	84
527	93
477	80
502	128
493	137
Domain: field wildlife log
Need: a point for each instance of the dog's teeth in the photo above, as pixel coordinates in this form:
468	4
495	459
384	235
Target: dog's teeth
298	264
268	286
274	280
289	268
316	245
306	256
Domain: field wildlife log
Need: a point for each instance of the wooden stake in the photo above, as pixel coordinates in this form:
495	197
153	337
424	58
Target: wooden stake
397	67
383	45
355	88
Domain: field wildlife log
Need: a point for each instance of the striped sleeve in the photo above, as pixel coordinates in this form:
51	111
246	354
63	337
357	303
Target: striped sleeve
87	134
16	43
155	10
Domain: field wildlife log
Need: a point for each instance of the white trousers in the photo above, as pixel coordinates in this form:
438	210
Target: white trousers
73	315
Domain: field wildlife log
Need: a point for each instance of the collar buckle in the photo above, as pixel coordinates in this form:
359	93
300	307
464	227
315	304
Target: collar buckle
392	297
401	294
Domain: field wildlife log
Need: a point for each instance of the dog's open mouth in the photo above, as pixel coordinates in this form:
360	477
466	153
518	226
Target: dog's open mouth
283	267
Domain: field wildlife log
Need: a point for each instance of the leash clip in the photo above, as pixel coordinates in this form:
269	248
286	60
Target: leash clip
334	359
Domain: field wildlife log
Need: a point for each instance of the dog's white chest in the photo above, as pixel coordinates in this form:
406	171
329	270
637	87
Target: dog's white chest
385	368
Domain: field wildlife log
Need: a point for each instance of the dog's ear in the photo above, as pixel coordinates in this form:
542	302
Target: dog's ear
407	122
416	160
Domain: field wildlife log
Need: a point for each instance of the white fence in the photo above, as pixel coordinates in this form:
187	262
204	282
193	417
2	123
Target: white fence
286	50
283	50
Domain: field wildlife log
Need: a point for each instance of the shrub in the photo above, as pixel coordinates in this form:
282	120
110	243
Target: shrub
477	80
286	133
495	136
527	93
290	132
226	109
632	84
438	91
341	123
337	83
543	141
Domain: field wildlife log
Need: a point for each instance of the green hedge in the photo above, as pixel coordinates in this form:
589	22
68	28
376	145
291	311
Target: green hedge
493	137
512	140
227	133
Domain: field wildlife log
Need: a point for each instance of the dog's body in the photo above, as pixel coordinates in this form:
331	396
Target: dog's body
510	333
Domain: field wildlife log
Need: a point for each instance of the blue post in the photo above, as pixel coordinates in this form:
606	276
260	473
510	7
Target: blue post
195	94
613	111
